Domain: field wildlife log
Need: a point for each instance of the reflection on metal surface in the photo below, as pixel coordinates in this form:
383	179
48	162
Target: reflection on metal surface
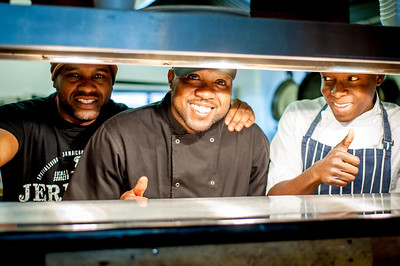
158	38
97	215
199	59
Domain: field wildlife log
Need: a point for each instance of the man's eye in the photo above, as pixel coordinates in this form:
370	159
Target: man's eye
73	75
353	78
99	76
221	82
193	76
326	78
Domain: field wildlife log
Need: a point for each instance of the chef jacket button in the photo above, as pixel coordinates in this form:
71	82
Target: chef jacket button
177	184
212	182
177	141
212	140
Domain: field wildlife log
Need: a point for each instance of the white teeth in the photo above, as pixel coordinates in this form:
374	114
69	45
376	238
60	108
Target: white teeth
342	105
86	101
201	109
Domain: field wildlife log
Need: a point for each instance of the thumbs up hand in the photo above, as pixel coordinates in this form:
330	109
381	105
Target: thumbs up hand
345	143
339	167
137	192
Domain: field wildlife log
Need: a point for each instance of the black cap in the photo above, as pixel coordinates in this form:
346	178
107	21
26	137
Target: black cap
183	71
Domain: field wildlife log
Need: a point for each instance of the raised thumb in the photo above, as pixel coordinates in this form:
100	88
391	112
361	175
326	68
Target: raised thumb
141	186
345	143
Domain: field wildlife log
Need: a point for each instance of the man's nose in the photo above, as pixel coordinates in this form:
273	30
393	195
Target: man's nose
205	91
87	84
338	90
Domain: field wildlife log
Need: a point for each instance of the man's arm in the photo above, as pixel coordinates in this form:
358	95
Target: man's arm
8	146
338	168
239	115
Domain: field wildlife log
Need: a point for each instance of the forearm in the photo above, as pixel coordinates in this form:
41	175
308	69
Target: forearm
304	184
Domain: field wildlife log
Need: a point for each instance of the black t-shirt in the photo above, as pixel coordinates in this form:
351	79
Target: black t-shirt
49	148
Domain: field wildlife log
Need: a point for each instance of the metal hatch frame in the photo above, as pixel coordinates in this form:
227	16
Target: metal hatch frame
72	34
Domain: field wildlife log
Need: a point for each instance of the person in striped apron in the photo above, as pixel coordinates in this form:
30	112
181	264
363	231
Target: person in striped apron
345	142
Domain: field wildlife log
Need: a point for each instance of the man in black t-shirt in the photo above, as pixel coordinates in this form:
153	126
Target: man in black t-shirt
42	139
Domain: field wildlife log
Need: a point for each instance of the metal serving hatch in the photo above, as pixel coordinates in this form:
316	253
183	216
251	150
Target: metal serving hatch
51	33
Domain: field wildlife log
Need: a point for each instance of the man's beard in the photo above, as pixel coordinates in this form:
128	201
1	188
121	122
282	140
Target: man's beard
80	115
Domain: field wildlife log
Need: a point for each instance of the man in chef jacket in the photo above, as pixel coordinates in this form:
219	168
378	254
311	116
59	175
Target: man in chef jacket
346	142
176	148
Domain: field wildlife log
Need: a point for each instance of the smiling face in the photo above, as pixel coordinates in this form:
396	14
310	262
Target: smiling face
82	91
349	95
200	99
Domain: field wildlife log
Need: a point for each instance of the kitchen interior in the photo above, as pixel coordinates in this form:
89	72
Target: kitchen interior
245	229
268	92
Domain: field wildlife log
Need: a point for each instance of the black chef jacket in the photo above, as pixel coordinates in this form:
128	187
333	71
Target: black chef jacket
150	142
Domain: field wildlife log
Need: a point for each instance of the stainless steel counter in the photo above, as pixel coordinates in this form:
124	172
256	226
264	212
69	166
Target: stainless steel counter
335	227
95	215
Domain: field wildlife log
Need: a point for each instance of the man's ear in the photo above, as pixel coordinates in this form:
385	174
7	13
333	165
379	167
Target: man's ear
54	83
171	76
379	79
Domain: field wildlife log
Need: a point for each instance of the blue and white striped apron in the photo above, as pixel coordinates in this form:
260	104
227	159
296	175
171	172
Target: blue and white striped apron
374	174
